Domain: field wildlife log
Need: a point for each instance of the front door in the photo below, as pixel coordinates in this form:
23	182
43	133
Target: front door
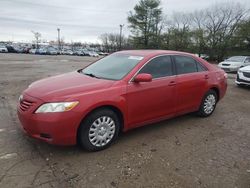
152	100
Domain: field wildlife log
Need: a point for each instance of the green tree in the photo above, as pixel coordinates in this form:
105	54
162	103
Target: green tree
242	37
145	23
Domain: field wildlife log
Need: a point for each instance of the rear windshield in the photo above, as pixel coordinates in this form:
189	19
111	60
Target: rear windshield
113	67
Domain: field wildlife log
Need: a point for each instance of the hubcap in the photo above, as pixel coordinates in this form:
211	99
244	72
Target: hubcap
102	131
209	104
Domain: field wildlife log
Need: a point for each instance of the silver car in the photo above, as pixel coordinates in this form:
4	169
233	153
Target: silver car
232	64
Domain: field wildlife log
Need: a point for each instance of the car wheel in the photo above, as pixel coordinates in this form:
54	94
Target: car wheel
99	130
208	104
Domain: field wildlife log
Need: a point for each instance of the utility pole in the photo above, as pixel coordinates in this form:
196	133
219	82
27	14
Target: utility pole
121	26
59	40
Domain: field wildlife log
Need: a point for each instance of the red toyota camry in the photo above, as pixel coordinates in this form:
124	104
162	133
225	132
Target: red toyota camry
122	91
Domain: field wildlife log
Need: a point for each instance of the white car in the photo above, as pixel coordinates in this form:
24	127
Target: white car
33	51
234	63
3	49
93	54
243	76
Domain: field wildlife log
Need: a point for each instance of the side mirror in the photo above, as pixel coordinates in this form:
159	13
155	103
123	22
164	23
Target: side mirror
143	78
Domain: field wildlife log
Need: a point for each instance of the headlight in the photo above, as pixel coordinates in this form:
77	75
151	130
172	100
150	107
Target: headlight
56	107
239	71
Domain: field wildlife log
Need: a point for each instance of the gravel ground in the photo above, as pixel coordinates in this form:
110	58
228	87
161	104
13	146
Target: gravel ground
187	151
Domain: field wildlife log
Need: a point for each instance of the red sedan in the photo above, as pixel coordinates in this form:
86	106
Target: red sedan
119	92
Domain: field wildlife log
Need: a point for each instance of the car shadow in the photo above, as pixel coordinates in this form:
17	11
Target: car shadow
159	127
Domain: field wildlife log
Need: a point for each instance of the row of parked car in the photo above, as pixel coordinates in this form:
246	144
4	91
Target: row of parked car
239	64
50	51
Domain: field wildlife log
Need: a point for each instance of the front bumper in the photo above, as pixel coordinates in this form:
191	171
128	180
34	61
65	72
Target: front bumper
229	68
241	79
53	128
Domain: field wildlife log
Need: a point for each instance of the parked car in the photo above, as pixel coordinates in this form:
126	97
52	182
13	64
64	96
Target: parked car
243	76
86	52
203	56
103	53
93	54
67	52
52	51
26	50
79	53
232	64
11	49
3	49
33	51
42	51
19	49
119	92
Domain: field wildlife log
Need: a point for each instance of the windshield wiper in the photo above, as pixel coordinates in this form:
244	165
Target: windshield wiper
91	75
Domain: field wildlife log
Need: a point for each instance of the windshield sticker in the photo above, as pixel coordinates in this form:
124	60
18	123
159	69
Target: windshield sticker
135	57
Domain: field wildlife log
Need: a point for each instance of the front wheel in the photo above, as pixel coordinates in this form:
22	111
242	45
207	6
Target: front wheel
99	130
208	104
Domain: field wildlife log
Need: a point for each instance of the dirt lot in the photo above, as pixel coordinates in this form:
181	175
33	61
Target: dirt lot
184	152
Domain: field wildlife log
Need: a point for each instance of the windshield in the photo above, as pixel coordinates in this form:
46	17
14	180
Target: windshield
236	58
113	67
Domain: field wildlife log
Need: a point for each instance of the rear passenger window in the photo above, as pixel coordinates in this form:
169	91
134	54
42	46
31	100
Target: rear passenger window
186	65
200	67
159	67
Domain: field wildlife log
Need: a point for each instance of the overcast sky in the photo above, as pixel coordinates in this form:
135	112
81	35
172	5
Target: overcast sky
79	20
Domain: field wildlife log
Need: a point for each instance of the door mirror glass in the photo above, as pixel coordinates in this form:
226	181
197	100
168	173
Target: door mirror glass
143	78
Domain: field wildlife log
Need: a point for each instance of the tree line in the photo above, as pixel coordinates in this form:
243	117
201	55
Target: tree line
218	31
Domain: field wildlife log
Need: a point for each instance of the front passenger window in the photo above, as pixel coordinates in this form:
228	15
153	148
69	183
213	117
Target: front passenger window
158	67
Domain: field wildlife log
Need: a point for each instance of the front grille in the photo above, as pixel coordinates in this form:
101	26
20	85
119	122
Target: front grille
225	64
25	105
246	74
226	69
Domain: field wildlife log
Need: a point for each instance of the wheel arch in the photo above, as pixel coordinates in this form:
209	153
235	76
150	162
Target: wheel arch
114	108
217	91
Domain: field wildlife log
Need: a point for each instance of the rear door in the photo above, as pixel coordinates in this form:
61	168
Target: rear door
192	83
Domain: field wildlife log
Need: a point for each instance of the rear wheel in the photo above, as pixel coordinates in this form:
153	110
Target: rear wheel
99	130
208	104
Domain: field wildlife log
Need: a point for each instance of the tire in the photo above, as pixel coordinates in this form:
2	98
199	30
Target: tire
208	104
99	130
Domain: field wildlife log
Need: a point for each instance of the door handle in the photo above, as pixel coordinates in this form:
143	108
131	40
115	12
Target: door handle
206	76
172	83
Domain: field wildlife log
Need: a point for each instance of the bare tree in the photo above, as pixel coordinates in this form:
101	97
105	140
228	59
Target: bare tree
179	31
221	22
197	19
37	37
111	41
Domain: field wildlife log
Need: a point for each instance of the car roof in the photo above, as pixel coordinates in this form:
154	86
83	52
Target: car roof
146	53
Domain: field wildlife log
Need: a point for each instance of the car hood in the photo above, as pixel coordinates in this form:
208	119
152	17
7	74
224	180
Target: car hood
246	68
66	86
236	63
